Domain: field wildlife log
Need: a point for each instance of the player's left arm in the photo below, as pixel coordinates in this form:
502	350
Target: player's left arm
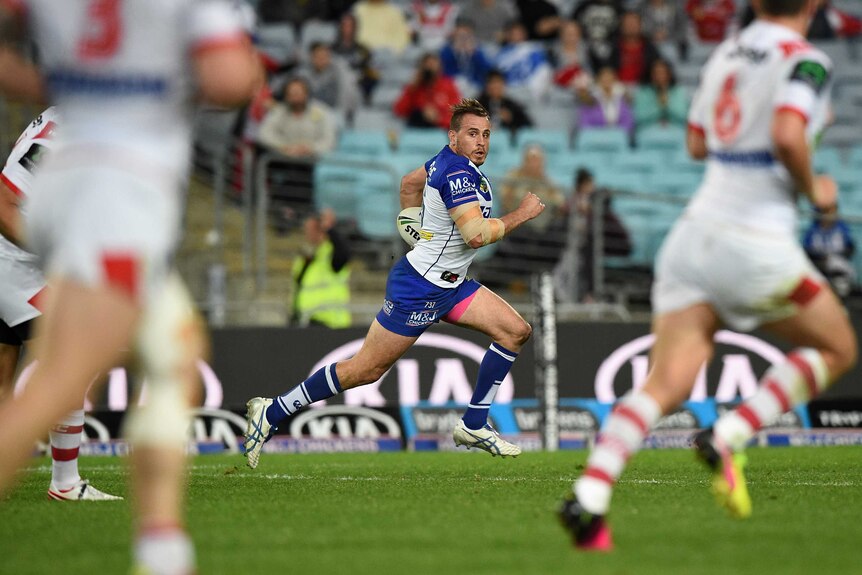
412	186
19	78
806	85
478	231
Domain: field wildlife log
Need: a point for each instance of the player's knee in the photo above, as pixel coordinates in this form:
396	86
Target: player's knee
522	332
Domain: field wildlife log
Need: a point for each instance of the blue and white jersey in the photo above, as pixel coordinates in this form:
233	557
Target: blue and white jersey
441	256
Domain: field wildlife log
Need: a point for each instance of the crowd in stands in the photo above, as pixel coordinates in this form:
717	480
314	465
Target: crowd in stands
593	63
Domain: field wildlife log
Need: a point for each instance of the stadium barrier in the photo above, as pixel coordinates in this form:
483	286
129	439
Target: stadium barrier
425	392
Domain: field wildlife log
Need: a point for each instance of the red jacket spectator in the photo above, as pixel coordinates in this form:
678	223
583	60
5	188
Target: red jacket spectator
425	102
634	54
711	18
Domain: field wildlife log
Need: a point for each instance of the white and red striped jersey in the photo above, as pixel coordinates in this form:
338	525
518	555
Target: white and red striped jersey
122	73
28	152
766	67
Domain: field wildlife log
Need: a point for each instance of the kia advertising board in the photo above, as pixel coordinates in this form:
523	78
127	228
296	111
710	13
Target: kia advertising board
417	401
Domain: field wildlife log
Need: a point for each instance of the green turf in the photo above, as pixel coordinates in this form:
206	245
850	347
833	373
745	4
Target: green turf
453	513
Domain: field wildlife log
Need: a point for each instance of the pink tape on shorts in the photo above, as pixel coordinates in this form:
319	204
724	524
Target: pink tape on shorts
459	309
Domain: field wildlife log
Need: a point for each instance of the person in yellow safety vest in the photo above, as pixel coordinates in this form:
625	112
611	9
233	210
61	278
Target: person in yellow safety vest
321	275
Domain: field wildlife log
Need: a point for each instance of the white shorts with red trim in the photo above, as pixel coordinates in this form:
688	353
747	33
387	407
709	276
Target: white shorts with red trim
747	276
104	227
21	284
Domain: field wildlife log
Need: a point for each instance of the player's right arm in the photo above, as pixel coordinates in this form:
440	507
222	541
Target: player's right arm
478	231
412	186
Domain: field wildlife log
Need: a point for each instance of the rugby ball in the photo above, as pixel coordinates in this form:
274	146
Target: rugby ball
409	225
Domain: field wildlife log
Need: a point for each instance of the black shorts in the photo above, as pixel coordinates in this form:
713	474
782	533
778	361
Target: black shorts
15	335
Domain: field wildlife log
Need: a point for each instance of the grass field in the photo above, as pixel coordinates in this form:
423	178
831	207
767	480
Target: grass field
453	513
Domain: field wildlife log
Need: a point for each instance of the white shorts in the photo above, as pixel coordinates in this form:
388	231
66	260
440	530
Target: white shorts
104	227
21	283
748	277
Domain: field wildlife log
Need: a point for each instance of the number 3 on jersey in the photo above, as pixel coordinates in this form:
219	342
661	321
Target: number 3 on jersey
103	30
728	114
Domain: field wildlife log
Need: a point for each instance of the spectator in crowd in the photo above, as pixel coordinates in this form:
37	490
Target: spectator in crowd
524	63
302	130
330	80
298	127
489	17
830	246
463	60
381	25
505	112
531	177
599	20
535	245
661	101
569	57
616	239
711	18
634	53
357	56
321	275
665	22
540	17
294	12
605	104
425	101
432	22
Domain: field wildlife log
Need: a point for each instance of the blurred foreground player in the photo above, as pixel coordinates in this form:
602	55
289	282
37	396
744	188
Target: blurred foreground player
104	219
734	259
430	284
22	285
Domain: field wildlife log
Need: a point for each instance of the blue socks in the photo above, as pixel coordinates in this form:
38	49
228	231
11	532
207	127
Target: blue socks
493	369
322	384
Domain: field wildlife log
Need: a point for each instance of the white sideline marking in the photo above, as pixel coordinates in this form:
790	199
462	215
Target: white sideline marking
676	482
201	469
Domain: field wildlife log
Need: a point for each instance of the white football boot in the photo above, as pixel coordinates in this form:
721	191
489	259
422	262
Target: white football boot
257	429
486	438
81	491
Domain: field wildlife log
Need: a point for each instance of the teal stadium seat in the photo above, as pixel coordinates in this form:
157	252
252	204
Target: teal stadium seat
623	181
363	143
602	139
375	214
657	137
642	161
681	184
855	156
565	167
334	188
425	142
828	159
554	142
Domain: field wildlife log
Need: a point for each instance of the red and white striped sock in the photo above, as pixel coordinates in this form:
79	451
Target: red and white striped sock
800	378
65	444
620	438
165	549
